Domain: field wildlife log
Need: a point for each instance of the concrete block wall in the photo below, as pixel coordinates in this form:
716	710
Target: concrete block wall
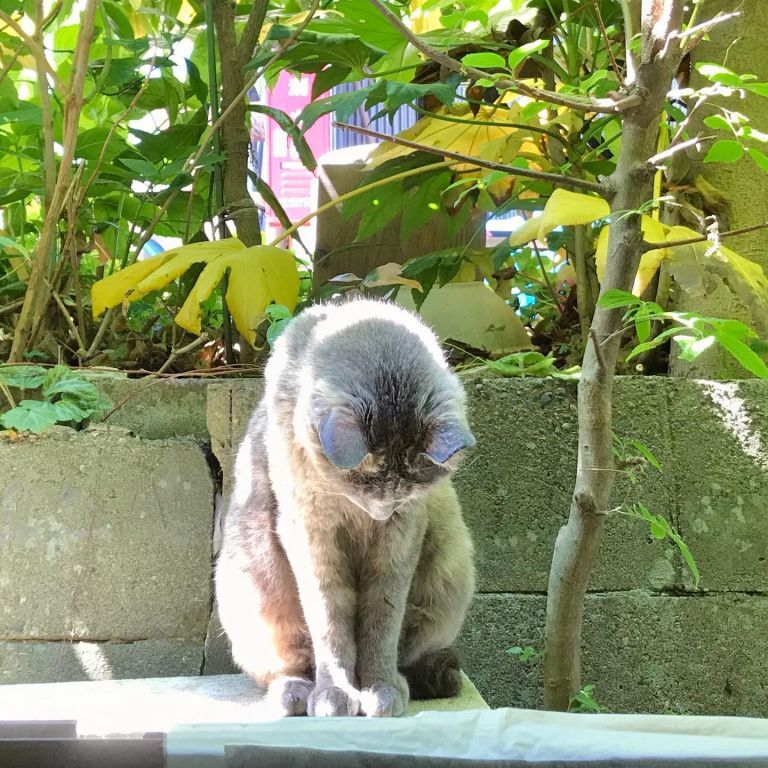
107	540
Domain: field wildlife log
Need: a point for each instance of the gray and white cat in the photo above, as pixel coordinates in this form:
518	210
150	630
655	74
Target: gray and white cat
346	568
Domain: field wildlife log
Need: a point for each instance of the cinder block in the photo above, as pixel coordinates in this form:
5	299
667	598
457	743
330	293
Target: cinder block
229	408
516	487
105	536
49	662
157	409
720	430
643	651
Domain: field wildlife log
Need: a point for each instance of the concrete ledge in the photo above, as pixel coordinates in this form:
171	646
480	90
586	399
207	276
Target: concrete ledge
156	705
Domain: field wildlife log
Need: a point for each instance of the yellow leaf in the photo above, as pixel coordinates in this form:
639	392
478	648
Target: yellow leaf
745	278
566	208
653	232
181	259
525	233
563	209
111	290
139	279
258	275
423	21
487	142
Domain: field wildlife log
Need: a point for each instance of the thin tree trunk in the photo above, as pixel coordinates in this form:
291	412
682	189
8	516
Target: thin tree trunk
38	291
631	185
234	134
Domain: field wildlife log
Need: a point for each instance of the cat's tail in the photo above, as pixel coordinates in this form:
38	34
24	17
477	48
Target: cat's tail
435	676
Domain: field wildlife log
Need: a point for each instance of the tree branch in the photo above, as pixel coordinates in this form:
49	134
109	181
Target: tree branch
673	149
553	178
704	238
509	84
252	30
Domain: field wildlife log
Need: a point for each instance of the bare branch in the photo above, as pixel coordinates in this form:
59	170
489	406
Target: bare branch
176	353
598	349
252	30
705	238
607	40
507	84
553	178
697	32
673	149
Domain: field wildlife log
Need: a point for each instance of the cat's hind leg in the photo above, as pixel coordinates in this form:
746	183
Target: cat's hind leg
441	591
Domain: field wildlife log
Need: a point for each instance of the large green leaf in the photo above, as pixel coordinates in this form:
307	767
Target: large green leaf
30	416
286	123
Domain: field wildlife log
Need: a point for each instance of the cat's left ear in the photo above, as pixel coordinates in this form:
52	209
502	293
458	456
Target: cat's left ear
341	437
447	439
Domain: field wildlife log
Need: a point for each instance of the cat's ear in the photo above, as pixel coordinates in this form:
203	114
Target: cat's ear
342	439
447	439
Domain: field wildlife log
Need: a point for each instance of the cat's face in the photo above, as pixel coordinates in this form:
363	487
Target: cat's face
382	460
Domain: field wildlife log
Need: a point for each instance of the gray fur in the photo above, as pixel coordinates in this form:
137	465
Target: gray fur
338	578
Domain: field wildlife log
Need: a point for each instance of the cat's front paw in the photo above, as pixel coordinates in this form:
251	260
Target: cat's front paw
330	701
385	699
287	696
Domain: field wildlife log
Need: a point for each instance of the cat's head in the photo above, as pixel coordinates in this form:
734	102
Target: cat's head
387	416
382	467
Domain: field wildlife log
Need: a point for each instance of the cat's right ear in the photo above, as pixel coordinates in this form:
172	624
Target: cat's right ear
342	439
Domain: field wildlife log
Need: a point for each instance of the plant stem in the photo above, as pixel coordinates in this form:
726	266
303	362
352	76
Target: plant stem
353	193
38	293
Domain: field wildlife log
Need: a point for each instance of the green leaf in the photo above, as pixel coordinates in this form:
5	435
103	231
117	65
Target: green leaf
79	388
343	104
692	346
278	312
68	409
286	123
484	61
724	151
384	206
759	157
30	416
658	529
717	122
524	51
142	168
275	329
760	89
614	298
22	376
424	203
686	554
745	356
642	323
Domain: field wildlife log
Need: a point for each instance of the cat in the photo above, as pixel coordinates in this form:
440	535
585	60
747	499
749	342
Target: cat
346	568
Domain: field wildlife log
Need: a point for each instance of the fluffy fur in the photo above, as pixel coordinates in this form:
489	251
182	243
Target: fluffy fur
346	568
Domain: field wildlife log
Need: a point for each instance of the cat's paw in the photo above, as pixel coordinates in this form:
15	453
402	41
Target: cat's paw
384	699
287	696
330	701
